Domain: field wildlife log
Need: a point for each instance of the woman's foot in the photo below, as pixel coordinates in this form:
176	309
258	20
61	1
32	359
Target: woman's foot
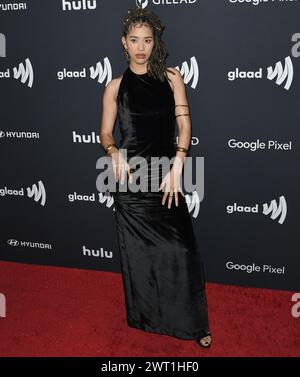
205	341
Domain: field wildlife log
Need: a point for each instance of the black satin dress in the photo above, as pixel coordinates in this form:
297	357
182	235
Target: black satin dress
163	273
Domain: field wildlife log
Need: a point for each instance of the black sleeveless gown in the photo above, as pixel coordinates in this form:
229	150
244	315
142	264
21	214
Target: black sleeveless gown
162	270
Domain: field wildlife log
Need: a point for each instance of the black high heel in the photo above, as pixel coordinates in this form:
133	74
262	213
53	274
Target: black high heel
205	343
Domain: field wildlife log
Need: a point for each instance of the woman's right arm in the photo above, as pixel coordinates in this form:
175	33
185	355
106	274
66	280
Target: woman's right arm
109	115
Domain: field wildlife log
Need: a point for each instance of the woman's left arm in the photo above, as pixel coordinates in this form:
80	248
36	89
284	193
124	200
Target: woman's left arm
182	115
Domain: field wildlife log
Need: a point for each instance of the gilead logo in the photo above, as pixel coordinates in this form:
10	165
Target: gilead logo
141	3
2	306
144	3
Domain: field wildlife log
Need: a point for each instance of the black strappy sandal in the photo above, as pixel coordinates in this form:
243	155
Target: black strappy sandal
205	343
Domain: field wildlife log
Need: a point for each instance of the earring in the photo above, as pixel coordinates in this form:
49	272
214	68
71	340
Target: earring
126	54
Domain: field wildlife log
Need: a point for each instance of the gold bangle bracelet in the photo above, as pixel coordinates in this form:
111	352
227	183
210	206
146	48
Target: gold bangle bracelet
182	115
180	149
110	146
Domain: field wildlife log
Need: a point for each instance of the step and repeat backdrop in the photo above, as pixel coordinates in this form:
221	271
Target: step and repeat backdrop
240	61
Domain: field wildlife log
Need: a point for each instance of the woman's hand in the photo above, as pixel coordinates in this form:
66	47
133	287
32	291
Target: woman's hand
171	183
120	167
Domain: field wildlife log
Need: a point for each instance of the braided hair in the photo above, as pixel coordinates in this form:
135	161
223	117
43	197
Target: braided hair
157	61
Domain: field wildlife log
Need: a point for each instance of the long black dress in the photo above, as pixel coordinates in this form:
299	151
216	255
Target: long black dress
163	274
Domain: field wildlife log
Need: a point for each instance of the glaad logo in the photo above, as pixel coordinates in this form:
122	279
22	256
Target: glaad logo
35	245
282	74
20	134
296	307
190	73
97	253
100	73
13	6
277	210
2	305
102	198
37	192
25	73
79	4
106	199
141	3
2	46
193	203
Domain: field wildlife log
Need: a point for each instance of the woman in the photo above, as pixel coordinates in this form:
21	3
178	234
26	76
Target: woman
162	270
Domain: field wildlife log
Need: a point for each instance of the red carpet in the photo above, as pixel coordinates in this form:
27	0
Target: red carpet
55	311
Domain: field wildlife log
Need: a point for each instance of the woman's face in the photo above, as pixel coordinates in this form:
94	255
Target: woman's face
139	43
